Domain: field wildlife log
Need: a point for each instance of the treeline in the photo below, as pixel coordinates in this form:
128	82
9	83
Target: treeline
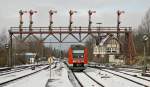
3	50
143	28
21	48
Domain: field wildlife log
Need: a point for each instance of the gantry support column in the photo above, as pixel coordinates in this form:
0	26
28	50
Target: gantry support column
129	48
11	50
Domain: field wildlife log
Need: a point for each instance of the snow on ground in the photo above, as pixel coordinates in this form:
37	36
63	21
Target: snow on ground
109	80
85	80
135	73
13	71
59	77
1	68
37	80
8	77
130	77
130	70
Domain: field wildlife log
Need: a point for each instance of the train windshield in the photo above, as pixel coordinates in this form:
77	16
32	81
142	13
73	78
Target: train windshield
78	53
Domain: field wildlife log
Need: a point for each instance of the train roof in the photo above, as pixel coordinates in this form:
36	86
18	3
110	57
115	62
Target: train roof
77	46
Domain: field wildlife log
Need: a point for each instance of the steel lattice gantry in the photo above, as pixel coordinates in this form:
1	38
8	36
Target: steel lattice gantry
76	32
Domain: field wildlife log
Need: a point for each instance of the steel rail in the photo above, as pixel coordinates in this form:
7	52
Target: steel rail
133	75
123	77
15	79
93	79
81	85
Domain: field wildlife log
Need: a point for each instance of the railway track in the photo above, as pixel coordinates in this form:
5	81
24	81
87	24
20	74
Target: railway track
93	79
82	81
132	80
133	75
17	78
14	71
130	70
81	85
85	80
5	69
18	69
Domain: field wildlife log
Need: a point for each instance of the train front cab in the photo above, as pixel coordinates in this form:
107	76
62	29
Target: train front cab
77	63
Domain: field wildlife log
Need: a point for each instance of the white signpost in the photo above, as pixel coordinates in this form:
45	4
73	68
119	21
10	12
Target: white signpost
50	61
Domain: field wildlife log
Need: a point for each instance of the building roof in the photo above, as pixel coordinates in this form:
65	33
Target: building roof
106	38
30	53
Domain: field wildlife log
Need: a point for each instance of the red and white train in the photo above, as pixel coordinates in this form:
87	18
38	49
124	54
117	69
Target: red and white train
77	57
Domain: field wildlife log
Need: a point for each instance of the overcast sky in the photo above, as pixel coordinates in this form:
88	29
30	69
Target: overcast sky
105	11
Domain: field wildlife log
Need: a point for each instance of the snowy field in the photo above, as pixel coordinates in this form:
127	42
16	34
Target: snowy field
85	80
40	79
109	80
134	72
36	80
132	78
59	78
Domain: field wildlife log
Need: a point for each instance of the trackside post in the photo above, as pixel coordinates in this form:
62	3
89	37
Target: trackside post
50	61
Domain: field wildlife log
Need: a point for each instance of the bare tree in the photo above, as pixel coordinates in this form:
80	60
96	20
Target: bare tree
144	28
89	45
3	51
